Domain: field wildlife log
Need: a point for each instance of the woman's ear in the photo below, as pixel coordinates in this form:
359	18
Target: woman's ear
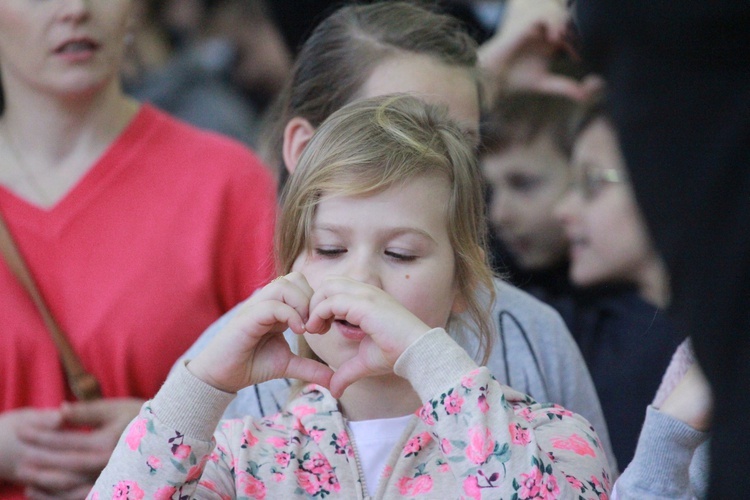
297	134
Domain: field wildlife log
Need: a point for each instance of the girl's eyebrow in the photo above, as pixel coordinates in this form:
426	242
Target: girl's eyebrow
392	232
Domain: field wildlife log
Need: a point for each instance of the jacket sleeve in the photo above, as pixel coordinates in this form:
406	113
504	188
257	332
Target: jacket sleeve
498	442
169	447
661	467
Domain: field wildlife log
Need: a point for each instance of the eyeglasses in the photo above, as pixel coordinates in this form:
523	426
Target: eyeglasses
591	180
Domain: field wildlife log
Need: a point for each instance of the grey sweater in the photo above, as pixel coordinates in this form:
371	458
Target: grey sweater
670	462
534	353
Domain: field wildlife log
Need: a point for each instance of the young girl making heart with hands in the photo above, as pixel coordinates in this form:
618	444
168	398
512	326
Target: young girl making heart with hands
380	237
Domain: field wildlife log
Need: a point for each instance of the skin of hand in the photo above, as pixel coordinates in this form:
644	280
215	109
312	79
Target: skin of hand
252	349
390	327
60	453
691	400
518	56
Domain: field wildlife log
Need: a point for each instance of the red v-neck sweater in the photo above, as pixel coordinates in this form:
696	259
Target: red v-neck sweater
167	231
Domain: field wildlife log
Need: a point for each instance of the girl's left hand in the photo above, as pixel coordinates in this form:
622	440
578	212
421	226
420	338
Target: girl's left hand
389	327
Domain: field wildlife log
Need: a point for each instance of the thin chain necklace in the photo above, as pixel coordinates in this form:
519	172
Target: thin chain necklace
28	176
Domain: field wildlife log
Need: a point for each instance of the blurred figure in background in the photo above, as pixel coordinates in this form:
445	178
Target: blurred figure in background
623	333
525	157
214	63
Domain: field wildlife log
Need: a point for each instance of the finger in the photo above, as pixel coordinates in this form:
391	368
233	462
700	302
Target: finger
349	372
73	461
309	370
561	85
50	480
102	412
56	439
293	291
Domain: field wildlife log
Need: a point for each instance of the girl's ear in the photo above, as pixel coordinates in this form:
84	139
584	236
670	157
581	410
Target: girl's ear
297	134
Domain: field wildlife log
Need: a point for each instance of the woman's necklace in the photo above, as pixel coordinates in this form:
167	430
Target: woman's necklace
29	178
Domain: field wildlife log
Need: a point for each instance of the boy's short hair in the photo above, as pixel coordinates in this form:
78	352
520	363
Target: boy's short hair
520	118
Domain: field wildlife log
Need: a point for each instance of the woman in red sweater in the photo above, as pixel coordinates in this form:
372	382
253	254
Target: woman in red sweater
139	231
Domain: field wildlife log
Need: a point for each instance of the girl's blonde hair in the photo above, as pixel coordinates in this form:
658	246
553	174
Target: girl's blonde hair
370	145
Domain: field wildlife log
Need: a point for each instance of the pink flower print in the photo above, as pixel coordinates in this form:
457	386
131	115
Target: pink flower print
558	410
387	471
165	493
467	382
95	496
317	464
302	410
519	435
194	473
127	490
181	451
136	433
307	481
574	443
549	488
425	414
251	486
415	444
453	403
575	483
530	484
481	445
277	441
211	486
445	446
342	440
471	488
411	487
526	414
484	407
316	435
283	458
214	457
444	467
153	463
278	477
248	439
538	484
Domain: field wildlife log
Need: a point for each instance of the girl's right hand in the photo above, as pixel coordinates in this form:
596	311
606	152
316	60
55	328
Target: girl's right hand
252	349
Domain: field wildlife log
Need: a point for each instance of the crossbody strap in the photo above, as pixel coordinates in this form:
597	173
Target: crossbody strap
82	383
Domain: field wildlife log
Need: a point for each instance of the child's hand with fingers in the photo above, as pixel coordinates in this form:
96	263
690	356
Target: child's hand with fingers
252	349
386	326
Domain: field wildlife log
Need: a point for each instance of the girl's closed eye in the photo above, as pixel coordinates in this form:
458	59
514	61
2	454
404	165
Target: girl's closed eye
401	255
330	252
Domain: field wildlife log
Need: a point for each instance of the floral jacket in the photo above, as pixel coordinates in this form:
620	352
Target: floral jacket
473	438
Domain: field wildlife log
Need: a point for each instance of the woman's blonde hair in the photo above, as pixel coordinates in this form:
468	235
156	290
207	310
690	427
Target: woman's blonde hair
370	145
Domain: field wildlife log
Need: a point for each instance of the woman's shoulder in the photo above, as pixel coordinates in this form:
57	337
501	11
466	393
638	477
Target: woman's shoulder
167	135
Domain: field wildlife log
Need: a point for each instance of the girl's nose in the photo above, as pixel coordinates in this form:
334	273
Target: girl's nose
365	270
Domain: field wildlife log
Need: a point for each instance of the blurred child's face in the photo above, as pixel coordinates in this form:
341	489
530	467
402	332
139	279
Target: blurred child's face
608	237
527	181
396	240
433	82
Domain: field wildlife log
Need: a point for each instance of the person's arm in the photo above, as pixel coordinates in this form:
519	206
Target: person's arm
497	441
519	55
166	447
168	444
670	436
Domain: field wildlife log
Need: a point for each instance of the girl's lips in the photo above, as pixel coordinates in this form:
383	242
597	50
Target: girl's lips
349	331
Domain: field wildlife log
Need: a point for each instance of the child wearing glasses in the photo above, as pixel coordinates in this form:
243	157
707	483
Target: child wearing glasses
619	323
380	245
